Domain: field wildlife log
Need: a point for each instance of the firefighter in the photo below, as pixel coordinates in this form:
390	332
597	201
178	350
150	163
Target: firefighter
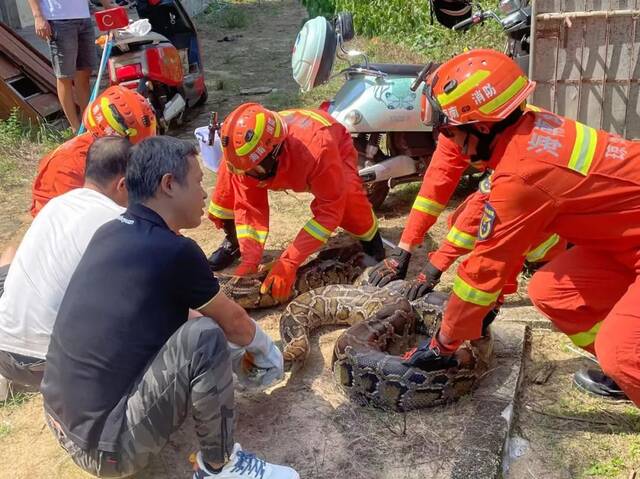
447	166
461	239
550	174
117	111
299	150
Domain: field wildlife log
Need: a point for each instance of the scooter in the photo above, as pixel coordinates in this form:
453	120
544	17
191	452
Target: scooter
378	104
515	20
163	64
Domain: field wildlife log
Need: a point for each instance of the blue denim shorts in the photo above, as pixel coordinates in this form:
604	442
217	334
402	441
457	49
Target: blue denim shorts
72	46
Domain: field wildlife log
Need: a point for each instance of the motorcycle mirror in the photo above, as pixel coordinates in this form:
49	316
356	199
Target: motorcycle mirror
214	125
421	76
509	6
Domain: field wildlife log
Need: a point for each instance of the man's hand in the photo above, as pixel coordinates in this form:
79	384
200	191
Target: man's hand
279	282
43	28
424	283
428	357
257	371
391	268
263	359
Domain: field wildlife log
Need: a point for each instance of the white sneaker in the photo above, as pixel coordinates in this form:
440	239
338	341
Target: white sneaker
244	465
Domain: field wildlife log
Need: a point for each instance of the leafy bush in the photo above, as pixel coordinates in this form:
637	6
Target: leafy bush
410	23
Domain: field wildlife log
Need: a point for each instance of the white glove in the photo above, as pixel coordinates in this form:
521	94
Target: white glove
262	365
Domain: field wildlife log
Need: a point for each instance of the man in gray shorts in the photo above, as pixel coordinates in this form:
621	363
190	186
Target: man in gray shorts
67	26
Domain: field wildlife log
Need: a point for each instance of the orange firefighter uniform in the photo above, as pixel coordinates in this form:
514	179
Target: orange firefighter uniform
555	174
317	156
60	171
463	230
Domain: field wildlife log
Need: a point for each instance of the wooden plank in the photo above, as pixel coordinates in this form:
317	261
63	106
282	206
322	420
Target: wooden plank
9	100
45	104
7	69
27	58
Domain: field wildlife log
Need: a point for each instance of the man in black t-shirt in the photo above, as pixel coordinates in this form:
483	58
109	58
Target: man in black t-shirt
124	363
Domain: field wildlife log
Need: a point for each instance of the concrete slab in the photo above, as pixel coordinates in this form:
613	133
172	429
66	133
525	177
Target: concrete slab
309	424
482	447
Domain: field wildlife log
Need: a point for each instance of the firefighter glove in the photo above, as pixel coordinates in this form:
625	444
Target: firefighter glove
428	357
393	267
279	282
423	283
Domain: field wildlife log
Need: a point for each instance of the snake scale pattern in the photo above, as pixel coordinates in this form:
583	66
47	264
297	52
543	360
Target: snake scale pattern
381	324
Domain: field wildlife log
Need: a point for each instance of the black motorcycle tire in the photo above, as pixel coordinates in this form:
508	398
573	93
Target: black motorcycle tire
203	99
376	193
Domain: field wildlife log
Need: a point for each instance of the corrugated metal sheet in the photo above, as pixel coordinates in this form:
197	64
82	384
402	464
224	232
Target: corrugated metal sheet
585	58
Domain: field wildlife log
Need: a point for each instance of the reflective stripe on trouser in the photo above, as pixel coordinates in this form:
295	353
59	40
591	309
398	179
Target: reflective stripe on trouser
369	233
192	369
539	252
591	294
577	289
249	232
220	212
468	293
222	196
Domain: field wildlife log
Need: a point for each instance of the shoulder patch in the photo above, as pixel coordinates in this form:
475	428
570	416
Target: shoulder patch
487	221
485	184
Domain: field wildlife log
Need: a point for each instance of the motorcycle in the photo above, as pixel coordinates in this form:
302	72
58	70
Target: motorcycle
515	21
378	104
163	64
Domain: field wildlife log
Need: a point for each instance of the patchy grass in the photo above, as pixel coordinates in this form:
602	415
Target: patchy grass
5	429
227	15
21	146
571	434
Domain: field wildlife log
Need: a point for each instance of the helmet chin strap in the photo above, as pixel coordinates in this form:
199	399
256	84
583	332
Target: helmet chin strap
483	148
267	167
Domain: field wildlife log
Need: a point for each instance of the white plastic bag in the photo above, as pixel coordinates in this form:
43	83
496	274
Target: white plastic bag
211	154
139	28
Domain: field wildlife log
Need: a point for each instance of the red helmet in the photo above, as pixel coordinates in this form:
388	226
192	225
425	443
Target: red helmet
478	85
249	134
120	111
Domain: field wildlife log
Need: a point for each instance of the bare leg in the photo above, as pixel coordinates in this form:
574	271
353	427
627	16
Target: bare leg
81	85
65	95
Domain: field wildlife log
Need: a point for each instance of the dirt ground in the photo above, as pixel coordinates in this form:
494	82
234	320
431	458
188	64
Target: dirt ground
307	422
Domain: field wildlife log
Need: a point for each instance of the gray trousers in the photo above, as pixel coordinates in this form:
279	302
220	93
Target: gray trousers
193	368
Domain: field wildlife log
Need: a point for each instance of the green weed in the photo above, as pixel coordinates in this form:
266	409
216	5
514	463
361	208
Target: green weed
609	468
5	429
410	24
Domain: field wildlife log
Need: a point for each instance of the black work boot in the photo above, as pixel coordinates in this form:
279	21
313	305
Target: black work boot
490	318
228	251
594	381
374	248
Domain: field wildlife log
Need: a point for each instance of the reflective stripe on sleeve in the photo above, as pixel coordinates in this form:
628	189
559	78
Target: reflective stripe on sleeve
584	149
427	206
316	230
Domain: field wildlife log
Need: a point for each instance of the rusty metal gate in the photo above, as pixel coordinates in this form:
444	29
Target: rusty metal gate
585	59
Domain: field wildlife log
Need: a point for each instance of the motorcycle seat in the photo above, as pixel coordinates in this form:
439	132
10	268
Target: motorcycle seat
134	40
397	68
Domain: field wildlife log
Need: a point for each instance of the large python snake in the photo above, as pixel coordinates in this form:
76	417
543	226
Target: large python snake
381	322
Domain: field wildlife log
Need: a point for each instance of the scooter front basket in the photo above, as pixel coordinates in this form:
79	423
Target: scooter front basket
314	53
